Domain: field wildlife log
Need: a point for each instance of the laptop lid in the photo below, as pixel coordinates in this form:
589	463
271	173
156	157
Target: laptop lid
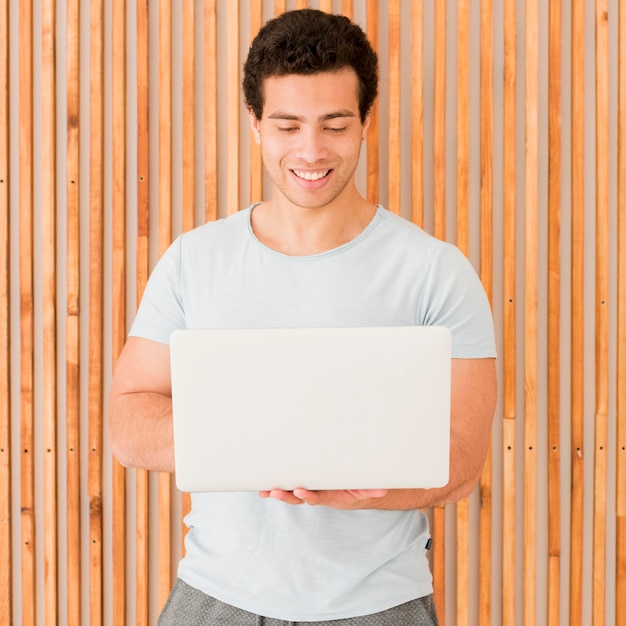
318	408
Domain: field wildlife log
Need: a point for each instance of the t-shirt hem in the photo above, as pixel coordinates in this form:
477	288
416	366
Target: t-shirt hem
260	609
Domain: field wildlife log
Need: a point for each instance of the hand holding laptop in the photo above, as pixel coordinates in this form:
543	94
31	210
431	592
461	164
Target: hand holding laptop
335	498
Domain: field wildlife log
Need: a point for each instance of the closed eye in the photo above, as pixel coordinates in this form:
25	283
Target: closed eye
342	129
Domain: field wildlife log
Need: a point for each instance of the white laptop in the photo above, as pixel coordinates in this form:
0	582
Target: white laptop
318	408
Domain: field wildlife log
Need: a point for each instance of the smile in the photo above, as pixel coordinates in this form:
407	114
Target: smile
306	175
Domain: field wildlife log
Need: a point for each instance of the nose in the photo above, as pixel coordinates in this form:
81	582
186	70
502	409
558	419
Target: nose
312	146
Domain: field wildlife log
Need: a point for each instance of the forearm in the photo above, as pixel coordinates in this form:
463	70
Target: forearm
141	432
465	472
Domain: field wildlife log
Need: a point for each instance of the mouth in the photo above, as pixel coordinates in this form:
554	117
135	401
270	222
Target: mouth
311	176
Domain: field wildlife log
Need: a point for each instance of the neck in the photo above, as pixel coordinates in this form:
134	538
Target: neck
299	231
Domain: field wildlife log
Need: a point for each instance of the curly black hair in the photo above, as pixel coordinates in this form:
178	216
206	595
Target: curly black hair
309	41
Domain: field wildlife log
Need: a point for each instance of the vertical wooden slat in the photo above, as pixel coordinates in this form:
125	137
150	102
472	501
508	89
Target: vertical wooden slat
27	467
554	311
530	313
232	108
438	532
462	126
118	284
439	122
279	7
620	487
165	121
96	323
188	129
6	548
164	538
302	4
326	5
347	8
577	305
602	315
143	217
462	231
438	158
72	319
417	109
509	358
210	109
486	274
49	281
373	141
256	164
394	161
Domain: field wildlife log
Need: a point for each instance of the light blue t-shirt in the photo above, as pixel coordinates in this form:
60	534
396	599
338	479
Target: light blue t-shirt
302	563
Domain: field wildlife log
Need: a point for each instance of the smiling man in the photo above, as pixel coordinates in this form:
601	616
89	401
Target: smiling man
315	254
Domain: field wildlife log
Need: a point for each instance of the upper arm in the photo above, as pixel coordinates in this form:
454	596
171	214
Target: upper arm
144	365
472	405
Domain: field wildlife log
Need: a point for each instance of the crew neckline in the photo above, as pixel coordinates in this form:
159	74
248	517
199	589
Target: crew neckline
310	257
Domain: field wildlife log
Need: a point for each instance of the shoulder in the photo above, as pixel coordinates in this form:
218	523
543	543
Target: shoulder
234	225
414	239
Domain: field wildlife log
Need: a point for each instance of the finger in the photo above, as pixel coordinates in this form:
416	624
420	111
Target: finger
285	496
309	497
363	494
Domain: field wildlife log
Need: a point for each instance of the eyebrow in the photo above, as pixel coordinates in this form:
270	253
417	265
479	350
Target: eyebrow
281	115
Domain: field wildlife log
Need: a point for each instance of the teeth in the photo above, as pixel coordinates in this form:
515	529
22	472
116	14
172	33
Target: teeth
310	175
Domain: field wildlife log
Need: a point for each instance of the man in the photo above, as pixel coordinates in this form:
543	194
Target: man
316	254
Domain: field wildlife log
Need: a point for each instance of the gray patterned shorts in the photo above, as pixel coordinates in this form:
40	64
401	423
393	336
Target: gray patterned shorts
187	606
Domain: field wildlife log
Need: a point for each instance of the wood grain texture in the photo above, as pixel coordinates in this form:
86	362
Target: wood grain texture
394	80
26	294
373	140
49	306
577	308
601	314
620	488
555	166
509	317
188	115
256	163
118	304
210	110
95	400
417	112
233	74
439	122
72	315
531	260
6	526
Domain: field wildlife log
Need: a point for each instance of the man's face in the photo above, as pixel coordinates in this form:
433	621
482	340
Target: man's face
310	135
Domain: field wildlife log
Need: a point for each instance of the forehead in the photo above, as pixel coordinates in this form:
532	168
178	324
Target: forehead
311	95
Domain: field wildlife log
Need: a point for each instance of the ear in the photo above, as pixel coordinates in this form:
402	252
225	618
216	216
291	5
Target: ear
366	124
255	125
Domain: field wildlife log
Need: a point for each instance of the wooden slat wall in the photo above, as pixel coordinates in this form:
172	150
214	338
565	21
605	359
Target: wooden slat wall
510	140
